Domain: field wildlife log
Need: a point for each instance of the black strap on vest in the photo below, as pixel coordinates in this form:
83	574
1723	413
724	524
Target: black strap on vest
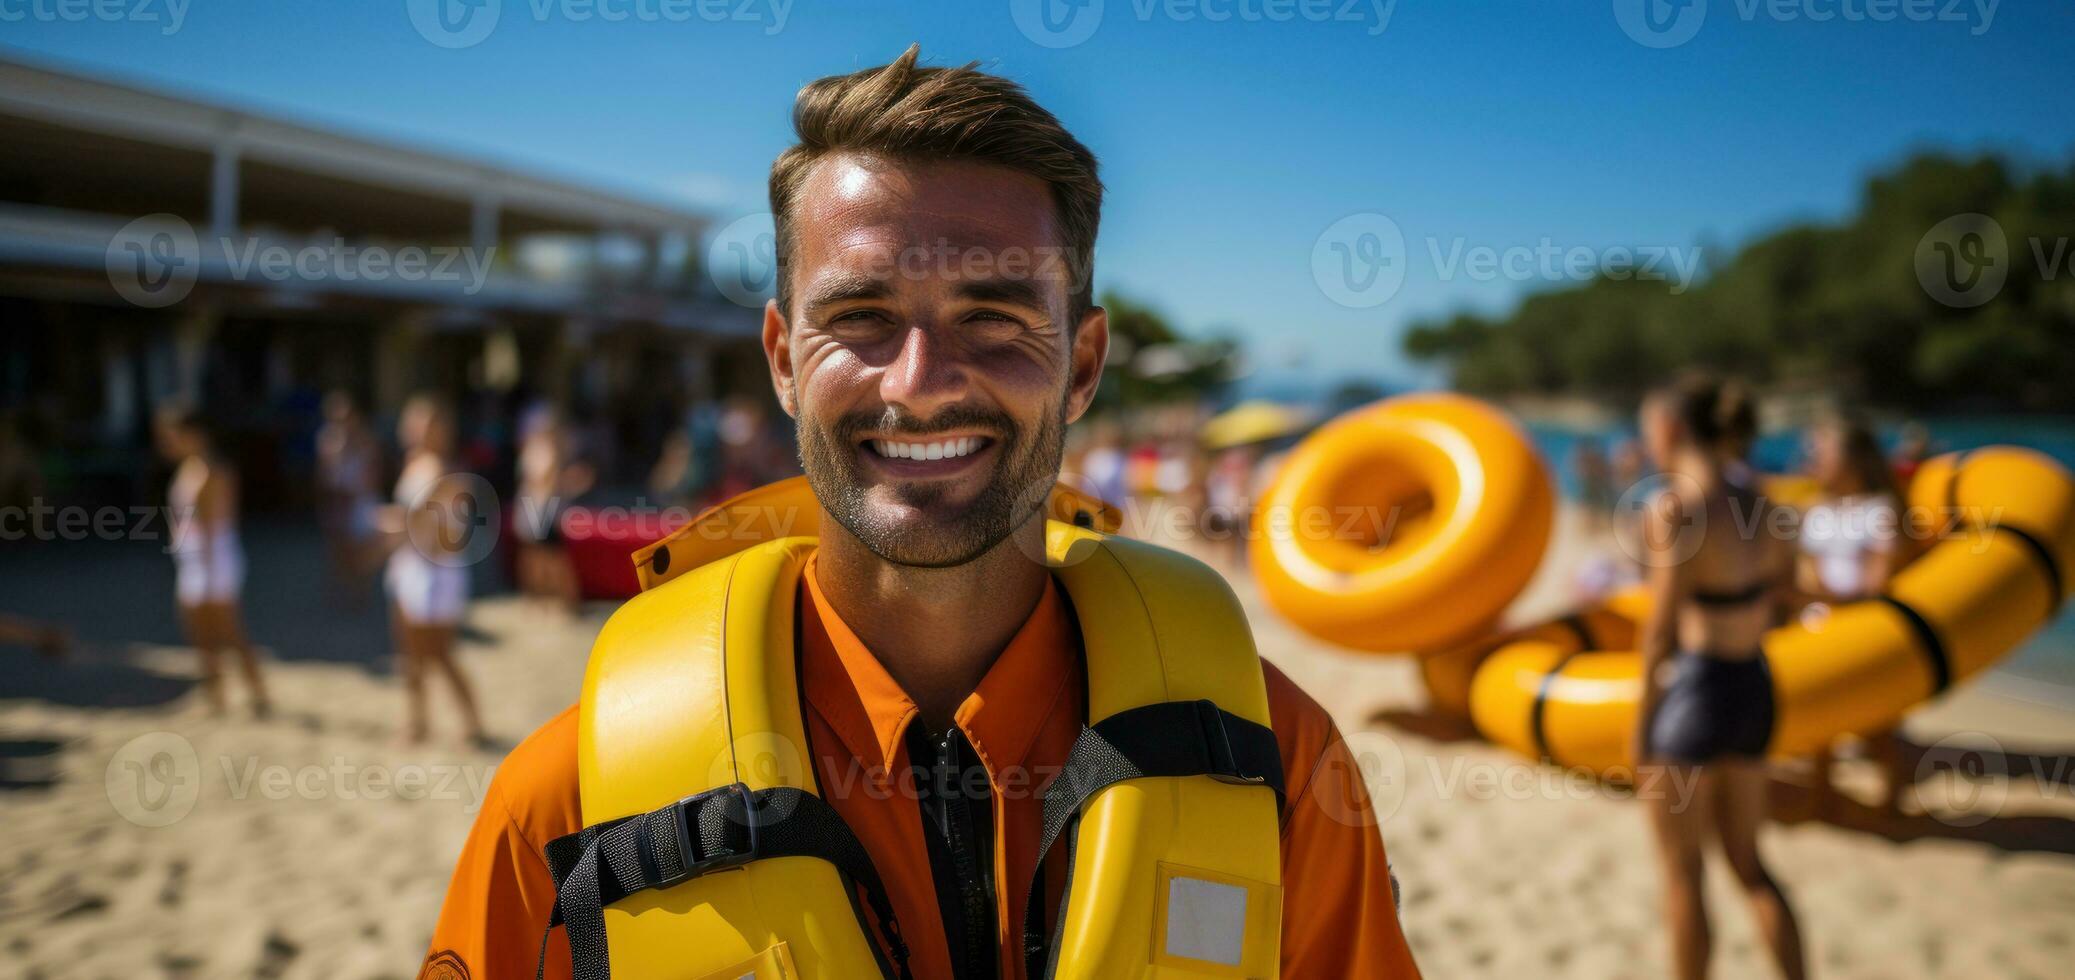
1172	738
720	828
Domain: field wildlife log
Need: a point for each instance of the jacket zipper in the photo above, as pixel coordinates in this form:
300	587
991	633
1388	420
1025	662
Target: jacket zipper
965	856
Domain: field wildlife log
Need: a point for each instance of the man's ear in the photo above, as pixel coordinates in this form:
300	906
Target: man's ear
1091	349
778	355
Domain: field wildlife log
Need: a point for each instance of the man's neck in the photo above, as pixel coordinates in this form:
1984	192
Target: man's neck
935	630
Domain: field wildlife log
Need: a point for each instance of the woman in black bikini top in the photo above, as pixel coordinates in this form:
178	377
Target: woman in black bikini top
1714	572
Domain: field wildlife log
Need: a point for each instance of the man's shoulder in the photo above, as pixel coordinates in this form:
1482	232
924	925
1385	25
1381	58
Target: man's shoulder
536	784
1303	729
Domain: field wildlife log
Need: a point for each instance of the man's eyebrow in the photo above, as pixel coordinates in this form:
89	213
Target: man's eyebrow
1017	292
844	287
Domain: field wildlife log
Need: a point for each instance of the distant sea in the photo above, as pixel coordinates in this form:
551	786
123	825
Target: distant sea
2043	669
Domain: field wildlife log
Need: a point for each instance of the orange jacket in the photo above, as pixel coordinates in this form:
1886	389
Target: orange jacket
1339	914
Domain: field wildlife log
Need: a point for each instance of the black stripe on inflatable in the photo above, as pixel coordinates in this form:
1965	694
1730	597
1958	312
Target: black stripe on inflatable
1576	624
2044	556
1535	714
1952	486
1934	648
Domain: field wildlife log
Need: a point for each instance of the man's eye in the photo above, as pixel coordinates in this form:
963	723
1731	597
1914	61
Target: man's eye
994	317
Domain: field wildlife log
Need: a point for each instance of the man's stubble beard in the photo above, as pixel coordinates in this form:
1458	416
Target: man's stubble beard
1024	473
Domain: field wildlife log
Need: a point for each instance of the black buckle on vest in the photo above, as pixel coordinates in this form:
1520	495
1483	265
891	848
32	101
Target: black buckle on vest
1224	764
684	813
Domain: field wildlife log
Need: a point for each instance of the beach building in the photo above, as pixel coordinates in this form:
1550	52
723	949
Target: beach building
156	246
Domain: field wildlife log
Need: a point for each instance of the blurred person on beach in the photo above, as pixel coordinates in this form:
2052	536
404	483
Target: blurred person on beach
1228	511
550	478
1706	711
673	479
21	479
1607	570
427	580
1103	465
208	558
752	452
1628	466
930	639
1595	477
49	639
1911	449
349	463
1850	546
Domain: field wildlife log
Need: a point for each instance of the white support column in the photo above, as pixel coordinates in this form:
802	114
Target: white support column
223	188
483	221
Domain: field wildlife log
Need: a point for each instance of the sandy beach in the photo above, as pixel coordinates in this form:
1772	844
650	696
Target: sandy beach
148	840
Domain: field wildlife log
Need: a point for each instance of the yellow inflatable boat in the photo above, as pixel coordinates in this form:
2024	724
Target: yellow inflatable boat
2005	537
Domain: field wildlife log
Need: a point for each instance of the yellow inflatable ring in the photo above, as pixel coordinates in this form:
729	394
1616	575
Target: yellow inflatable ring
1408	525
1610	625
2004	521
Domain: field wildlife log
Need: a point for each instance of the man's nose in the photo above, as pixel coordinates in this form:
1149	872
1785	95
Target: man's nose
926	375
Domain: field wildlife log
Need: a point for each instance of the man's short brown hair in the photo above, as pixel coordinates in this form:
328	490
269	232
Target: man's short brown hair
907	112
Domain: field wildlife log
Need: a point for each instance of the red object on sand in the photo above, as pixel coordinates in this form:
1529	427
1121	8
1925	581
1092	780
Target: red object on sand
602	542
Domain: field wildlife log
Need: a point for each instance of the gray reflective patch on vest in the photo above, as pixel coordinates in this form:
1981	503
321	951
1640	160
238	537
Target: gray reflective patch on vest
1206	920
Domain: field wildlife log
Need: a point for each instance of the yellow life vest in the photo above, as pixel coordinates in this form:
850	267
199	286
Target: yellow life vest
707	854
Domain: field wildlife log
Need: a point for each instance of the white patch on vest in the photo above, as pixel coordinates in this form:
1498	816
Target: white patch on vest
1206	920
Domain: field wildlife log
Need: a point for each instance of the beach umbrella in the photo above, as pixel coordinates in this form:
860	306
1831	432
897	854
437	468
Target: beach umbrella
1251	422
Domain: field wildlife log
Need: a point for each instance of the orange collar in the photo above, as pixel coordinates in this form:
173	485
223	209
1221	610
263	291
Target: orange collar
850	688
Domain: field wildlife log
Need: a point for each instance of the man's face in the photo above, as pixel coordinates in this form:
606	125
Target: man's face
927	357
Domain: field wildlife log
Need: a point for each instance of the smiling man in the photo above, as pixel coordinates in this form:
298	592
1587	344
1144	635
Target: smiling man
1018	747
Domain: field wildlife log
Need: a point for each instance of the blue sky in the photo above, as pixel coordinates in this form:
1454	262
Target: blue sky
1233	133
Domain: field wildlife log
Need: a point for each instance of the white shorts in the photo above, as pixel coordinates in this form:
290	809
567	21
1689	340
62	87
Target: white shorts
428	594
216	574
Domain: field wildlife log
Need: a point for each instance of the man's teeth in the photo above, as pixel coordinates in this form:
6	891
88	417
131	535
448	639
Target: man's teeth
945	449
